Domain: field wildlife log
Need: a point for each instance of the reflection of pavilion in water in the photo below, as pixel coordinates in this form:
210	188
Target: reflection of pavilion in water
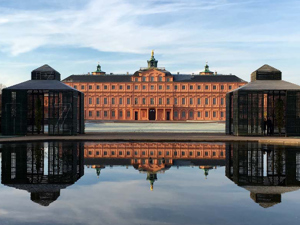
153	158
24	167
266	171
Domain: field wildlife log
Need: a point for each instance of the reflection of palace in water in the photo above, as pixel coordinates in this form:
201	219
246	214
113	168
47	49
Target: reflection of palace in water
42	169
153	158
267	171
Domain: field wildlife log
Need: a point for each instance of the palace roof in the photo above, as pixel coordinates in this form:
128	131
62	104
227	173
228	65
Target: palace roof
176	78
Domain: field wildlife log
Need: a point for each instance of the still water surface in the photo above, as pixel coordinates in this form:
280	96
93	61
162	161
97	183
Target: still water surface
149	183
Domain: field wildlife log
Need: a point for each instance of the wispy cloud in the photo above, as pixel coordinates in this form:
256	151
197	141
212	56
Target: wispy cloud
182	32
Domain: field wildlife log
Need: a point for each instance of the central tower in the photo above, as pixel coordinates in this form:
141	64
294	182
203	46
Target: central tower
152	63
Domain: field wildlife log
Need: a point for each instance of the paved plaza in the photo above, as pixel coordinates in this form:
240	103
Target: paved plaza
189	127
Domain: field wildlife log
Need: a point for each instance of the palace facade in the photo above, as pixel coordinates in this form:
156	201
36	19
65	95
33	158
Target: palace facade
153	93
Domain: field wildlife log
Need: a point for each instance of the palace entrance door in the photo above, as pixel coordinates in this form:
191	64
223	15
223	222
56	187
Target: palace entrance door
136	115
168	115
151	114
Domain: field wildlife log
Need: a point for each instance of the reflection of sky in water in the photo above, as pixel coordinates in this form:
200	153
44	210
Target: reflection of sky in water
122	196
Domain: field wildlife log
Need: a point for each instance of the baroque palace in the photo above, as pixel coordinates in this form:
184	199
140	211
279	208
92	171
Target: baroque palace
153	93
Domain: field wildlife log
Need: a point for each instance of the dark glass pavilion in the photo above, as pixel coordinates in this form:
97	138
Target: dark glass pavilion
266	105
42	103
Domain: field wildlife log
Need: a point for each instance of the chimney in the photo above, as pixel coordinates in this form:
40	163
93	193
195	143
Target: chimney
127	73
89	73
216	73
177	73
192	73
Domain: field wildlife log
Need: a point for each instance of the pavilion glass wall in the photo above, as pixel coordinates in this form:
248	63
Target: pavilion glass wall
247	111
62	113
14	112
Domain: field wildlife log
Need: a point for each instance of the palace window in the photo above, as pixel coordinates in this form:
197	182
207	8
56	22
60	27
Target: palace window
113	113
151	78
183	87
98	101
168	79
105	87
175	101
144	87
198	153
151	101
191	101
222	87
222	114
120	87
144	101
105	101
136	101
82	87
136	79
113	101
214	114
152	87
175	87
105	113
183	114
222	101
168	101
168	87
128	153
98	87
183	101
214	101
128	113
160	101
191	114
199	101
98	113
90	113
120	114
176	114
206	101
159	87
206	114
199	114
90	87
120	153
191	87
144	78
75	86
214	87
229	87
206	87
128	87
199	87
191	153
159	78
121	101
128	101
105	153
136	87
90	100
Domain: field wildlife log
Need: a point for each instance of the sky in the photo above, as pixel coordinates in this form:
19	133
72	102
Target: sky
72	36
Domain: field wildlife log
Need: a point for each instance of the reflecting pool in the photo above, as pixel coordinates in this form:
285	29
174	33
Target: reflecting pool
149	183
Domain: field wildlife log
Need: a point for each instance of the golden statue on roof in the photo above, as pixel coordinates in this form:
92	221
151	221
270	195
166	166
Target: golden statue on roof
152	53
